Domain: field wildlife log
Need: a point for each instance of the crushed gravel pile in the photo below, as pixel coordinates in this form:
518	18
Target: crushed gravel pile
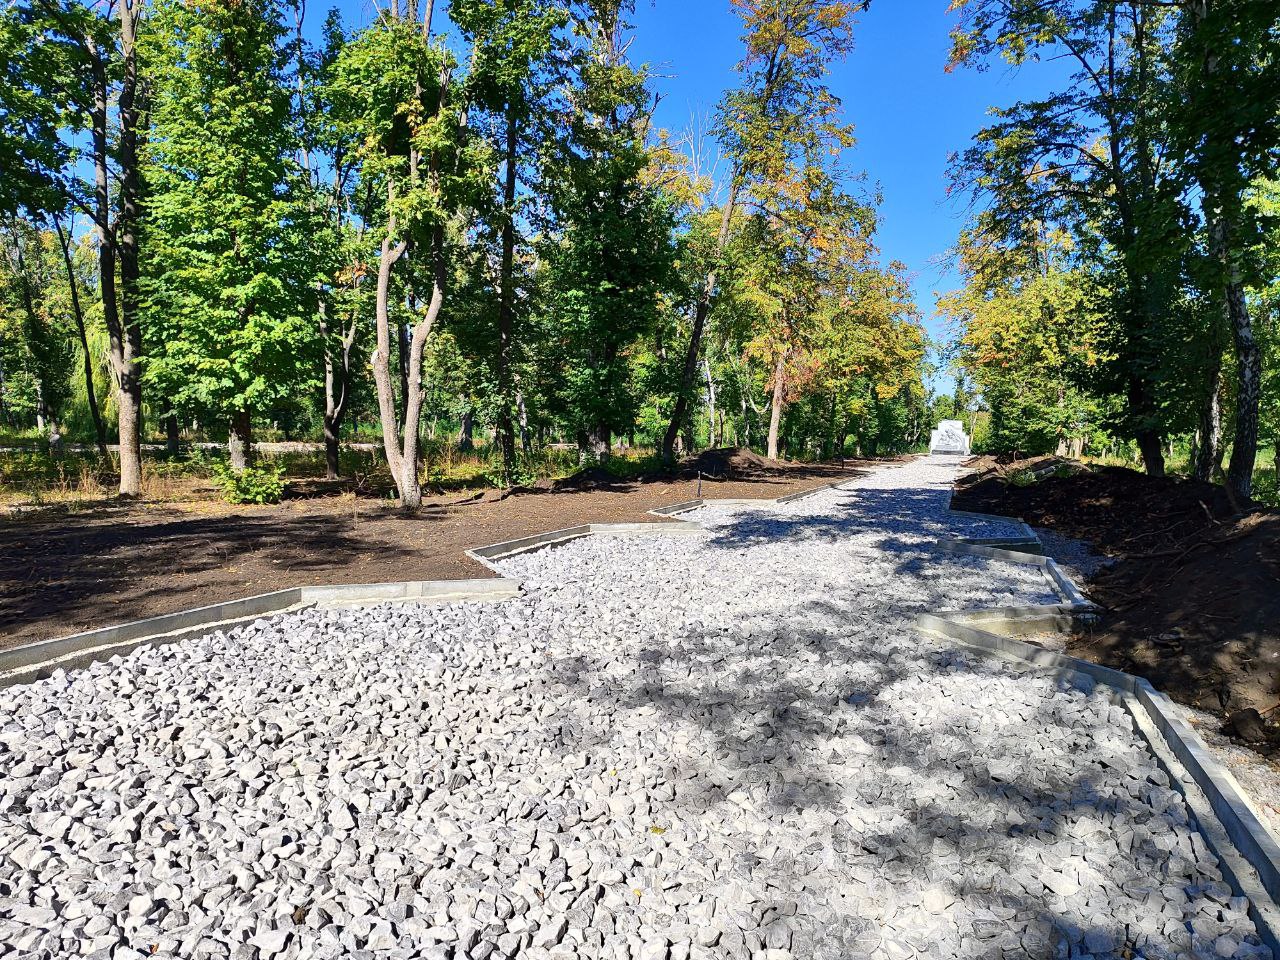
730	746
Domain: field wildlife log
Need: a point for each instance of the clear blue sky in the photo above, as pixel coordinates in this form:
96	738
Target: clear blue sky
908	113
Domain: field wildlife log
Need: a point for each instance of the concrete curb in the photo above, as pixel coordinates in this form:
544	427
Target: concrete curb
1025	541
688	505
34	661
1231	824
509	548
487	555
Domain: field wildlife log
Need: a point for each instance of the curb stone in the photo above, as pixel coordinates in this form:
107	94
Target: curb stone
1229	821
35	661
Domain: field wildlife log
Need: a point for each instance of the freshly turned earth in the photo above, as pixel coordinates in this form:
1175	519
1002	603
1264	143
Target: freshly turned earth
733	745
1192	601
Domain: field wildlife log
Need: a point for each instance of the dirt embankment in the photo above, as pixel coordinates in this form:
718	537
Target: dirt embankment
1192	599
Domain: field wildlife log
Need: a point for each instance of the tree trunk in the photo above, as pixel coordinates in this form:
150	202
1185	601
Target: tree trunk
506	300
172	439
700	311
775	414
402	360
711	404
1244	445
522	415
1147	436
118	244
90	391
240	441
337	386
595	444
466	432
389	254
402	446
332	449
1209	428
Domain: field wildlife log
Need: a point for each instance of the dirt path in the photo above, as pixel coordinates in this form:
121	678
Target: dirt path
66	573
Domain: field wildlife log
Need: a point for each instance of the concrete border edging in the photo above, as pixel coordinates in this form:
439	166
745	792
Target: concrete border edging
35	661
1230	823
487	555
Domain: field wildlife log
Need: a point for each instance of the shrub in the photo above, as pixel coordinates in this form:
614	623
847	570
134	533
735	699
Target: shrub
252	485
1022	477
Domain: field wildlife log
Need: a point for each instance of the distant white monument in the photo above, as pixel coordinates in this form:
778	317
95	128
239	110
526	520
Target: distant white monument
950	438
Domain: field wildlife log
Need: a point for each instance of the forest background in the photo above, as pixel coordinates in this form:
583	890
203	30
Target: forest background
485	233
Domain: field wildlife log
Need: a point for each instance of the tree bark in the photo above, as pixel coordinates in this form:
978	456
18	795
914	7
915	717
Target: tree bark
390	252
595	444
1244	445
90	391
700	311
522	418
240	441
172	438
118	242
1209	428
402	360
775	414
711	404
506	300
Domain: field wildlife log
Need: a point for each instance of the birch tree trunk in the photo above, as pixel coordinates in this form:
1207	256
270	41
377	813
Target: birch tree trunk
506	301
711	404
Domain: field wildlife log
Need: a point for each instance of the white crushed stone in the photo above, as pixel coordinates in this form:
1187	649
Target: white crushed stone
671	748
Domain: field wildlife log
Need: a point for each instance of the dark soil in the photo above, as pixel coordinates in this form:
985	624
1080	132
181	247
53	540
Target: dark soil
1192	601
732	463
62	573
590	478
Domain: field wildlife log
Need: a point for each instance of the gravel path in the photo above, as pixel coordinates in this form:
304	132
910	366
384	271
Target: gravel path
730	746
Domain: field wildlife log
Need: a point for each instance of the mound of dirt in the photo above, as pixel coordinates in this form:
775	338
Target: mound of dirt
588	478
987	467
1192	600
1120	511
732	463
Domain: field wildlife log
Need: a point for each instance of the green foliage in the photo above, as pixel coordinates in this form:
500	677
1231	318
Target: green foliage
1021	477
613	263
260	485
230	307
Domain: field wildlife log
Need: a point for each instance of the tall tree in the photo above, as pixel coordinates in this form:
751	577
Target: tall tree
1088	156
394	95
228	294
67	67
339	211
1227	121
783	109
514	67
614	256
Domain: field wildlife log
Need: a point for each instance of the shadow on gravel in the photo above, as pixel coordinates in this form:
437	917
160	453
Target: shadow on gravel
761	734
907	512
